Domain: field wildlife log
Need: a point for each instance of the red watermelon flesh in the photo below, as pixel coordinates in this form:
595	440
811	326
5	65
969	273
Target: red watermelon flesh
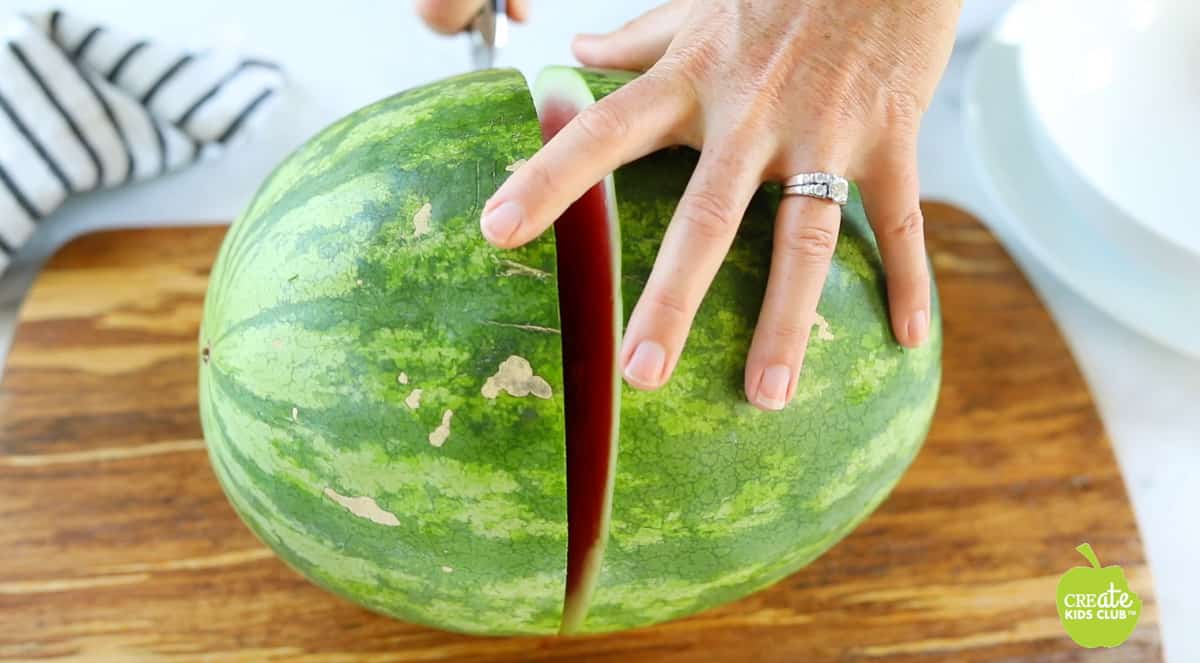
588	307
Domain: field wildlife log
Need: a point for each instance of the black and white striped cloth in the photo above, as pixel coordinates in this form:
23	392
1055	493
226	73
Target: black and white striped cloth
83	107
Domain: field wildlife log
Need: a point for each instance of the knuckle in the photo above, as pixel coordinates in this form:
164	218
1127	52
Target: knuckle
844	90
664	300
709	215
602	122
909	226
902	110
790	333
663	79
809	243
696	58
672	77
543	179
753	126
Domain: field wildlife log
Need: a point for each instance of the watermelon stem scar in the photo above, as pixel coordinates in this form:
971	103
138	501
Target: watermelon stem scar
590	308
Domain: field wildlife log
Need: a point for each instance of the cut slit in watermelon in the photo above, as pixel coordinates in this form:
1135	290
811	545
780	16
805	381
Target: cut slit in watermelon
590	310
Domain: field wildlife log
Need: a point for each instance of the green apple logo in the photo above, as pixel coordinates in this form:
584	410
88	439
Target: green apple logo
1095	604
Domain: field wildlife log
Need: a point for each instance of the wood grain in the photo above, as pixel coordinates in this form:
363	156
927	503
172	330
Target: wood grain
118	544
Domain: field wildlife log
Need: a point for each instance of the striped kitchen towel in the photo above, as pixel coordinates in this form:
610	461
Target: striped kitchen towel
83	107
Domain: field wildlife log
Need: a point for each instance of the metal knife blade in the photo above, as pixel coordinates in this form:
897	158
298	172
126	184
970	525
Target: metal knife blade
488	33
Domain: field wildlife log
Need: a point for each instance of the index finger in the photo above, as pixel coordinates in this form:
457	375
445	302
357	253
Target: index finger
629	123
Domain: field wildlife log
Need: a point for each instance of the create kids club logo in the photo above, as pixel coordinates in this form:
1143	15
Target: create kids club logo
1095	604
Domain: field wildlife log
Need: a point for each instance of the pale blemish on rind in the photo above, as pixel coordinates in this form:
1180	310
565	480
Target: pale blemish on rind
364	507
447	569
514	268
296	414
824	332
414	399
515	377
440	434
515	166
523	327
421	220
402	378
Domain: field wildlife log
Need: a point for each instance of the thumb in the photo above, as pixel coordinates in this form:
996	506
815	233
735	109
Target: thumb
636	45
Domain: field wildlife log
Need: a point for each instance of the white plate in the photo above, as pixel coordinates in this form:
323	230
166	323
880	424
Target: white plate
1000	140
1117	93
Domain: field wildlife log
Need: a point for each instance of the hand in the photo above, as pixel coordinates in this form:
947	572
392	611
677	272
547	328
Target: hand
453	16
765	89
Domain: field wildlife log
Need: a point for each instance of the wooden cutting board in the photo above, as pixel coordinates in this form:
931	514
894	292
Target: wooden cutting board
117	544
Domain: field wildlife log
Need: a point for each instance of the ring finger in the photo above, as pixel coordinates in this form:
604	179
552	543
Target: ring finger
806	231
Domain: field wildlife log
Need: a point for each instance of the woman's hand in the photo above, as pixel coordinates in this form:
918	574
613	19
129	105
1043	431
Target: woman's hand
765	89
453	16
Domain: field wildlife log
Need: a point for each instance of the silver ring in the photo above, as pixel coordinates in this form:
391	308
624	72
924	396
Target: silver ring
825	186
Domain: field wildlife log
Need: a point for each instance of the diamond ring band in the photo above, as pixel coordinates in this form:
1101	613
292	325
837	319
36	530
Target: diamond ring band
825	186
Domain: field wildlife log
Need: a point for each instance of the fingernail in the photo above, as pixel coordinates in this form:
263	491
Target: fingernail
500	222
645	366
773	387
918	326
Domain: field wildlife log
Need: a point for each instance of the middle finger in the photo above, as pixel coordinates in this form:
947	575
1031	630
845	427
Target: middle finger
693	248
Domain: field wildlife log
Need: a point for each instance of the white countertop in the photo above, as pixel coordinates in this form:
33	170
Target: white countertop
340	60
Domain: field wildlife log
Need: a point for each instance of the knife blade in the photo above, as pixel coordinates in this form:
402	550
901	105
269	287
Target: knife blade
488	33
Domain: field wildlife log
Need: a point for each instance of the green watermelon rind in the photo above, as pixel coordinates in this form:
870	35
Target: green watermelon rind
306	347
337	282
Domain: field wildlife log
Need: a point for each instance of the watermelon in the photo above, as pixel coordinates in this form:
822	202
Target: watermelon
437	430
